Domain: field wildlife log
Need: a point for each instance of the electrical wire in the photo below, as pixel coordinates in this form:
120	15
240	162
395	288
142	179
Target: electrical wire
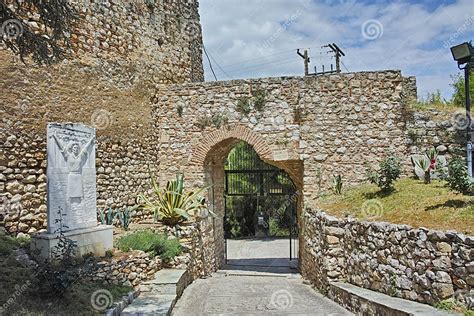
219	66
209	60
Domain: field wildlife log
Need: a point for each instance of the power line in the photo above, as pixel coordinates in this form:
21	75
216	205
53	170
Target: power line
209	60
219	66
262	57
345	66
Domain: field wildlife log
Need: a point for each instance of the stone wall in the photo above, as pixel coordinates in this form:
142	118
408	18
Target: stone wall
132	42
122	173
119	49
442	129
416	264
334	123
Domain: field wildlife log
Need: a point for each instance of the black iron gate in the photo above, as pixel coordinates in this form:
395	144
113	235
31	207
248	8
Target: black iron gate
260	199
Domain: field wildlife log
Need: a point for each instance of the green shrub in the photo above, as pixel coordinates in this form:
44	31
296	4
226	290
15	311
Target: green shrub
389	170
276	230
152	243
457	177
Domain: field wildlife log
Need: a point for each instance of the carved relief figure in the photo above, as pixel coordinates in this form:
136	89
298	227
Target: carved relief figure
75	157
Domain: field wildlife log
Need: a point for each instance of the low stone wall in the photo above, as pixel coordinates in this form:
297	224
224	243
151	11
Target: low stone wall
200	256
131	270
416	264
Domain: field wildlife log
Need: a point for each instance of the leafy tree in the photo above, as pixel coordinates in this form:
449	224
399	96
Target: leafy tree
45	39
459	95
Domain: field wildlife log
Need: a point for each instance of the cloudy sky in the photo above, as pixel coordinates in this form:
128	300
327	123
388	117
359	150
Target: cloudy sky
259	38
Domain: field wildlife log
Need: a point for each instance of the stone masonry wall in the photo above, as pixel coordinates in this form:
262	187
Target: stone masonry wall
332	123
118	51
416	264
132	42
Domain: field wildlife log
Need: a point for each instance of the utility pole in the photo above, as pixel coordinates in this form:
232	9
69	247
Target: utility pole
337	53
306	60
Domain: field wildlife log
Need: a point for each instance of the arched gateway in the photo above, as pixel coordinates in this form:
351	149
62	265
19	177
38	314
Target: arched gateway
212	153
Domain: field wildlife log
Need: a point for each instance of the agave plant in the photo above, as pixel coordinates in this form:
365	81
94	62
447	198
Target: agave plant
107	218
429	164
171	205
125	216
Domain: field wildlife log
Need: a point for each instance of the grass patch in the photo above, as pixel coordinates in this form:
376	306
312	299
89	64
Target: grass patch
453	306
76	301
413	203
152	243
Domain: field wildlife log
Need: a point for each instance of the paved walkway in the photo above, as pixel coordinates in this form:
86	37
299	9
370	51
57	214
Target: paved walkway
238	293
270	255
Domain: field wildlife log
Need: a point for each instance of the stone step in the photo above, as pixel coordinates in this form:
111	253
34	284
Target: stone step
166	281
149	304
367	302
158	296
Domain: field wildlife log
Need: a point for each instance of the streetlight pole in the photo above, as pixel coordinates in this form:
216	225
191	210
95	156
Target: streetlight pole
464	55
468	113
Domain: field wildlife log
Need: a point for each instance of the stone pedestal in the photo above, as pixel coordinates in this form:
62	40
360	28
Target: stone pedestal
96	240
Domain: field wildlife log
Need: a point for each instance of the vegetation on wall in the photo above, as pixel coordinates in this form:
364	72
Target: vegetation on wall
154	244
243	105
259	99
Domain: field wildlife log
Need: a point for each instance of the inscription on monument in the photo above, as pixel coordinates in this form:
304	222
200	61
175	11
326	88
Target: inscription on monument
71	176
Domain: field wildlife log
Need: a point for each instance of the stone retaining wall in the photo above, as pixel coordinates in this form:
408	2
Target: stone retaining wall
416	264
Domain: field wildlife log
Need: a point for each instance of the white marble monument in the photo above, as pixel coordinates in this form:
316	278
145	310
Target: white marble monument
72	191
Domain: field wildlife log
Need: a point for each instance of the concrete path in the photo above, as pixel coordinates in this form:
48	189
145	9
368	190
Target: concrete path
238	293
259	255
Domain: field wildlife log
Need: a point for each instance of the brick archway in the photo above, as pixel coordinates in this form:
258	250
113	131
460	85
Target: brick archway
211	153
238	132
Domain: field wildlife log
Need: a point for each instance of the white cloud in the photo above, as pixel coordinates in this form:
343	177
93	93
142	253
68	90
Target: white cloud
258	38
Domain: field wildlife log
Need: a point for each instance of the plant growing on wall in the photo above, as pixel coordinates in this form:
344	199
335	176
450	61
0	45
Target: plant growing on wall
297	115
219	119
180	109
428	165
243	105
413	136
337	184
389	170
259	99
171	205
203	122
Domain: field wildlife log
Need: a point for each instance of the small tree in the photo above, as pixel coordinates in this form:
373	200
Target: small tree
389	170
459	95
457	177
